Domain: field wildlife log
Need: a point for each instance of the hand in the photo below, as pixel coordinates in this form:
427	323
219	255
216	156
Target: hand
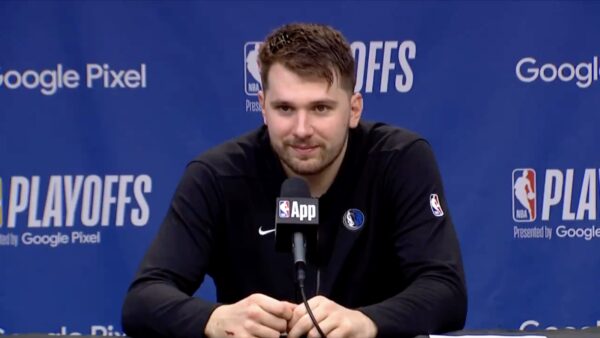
257	315
334	319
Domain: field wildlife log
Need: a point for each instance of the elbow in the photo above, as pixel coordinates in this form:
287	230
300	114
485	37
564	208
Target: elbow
458	311
127	316
130	315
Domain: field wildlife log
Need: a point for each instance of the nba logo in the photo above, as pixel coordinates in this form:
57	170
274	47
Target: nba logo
523	195
284	209
436	207
251	70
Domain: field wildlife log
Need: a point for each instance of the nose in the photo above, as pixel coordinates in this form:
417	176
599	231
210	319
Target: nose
303	128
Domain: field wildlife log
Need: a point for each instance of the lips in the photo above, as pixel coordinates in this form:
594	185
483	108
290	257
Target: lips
304	149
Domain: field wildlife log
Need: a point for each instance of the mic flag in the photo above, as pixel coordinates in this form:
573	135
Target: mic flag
296	212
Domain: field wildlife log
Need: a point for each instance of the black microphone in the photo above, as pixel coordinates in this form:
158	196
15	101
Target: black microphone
296	221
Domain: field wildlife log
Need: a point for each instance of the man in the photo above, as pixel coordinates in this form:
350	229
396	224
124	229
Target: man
387	261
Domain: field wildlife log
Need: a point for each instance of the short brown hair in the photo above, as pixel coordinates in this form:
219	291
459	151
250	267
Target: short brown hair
309	50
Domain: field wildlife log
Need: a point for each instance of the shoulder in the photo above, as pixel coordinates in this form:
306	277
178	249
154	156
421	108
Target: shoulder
394	151
384	138
236	157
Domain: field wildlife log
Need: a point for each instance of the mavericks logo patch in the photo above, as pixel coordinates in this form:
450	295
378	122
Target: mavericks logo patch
353	219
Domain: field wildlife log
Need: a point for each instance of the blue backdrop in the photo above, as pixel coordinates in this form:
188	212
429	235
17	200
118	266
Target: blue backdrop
103	103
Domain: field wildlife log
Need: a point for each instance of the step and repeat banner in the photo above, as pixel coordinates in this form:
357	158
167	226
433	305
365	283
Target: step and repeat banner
102	104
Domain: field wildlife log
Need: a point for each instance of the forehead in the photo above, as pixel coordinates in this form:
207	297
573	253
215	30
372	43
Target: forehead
285	84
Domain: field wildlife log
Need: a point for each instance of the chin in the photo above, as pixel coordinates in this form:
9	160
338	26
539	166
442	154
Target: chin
306	168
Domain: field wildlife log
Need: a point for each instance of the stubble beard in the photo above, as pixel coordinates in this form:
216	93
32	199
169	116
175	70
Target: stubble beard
310	166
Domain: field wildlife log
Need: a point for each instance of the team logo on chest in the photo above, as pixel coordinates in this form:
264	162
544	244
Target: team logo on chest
353	219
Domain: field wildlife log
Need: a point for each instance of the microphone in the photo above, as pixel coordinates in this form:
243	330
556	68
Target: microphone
296	221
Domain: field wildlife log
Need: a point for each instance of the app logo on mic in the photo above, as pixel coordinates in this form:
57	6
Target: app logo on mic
436	207
252	81
284	209
524	195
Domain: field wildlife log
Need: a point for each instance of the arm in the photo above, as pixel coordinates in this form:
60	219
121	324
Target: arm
428	251
429	256
159	301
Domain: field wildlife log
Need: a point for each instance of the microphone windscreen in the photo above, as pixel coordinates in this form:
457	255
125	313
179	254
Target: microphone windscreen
295	187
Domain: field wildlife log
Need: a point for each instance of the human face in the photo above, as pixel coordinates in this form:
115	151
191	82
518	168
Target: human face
308	120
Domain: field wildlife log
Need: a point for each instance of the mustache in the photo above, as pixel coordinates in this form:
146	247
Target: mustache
301	144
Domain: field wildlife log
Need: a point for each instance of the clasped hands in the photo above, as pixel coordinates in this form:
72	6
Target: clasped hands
261	316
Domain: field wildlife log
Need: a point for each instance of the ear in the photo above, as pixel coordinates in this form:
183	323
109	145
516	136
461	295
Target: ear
261	100
356	107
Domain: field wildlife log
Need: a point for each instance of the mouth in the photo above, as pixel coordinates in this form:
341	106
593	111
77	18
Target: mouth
304	149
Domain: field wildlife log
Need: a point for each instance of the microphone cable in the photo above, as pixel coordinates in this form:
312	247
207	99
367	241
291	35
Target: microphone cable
300	276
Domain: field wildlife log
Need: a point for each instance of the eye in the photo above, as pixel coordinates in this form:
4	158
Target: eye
321	108
284	109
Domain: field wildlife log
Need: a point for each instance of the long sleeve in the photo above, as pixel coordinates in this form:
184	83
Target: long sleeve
427	248
159	302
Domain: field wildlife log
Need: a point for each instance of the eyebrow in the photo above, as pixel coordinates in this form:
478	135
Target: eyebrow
326	102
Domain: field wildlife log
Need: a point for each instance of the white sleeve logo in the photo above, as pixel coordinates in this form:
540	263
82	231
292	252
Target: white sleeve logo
436	207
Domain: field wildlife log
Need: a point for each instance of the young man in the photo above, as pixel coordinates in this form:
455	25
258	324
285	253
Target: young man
387	261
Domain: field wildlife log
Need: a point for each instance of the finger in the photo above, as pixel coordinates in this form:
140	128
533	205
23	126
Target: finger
336	332
300	310
289	311
304	324
270	320
256	313
258	330
327	325
273	306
